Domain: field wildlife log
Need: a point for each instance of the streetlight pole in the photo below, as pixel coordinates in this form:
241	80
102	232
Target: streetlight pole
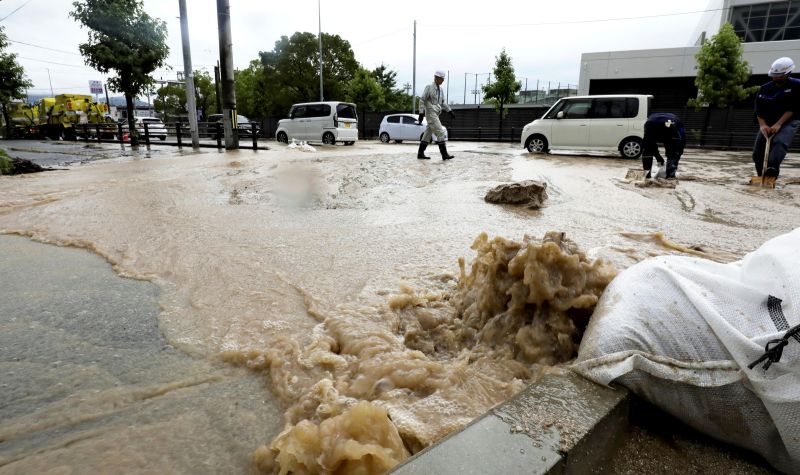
414	76
319	16
51	82
191	107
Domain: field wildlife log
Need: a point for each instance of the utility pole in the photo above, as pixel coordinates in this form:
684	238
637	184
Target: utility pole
51	82
319	16
108	103
226	72
414	77
188	73
217	88
447	94
465	89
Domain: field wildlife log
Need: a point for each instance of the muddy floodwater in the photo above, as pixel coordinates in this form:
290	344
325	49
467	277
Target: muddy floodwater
378	299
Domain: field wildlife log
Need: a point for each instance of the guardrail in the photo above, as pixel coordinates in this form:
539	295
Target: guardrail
212	134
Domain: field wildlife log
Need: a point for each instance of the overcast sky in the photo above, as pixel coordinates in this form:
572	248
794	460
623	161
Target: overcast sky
544	39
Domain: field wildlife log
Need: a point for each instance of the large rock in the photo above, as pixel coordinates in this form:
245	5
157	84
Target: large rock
530	193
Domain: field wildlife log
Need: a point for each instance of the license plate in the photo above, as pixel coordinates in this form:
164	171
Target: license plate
347	125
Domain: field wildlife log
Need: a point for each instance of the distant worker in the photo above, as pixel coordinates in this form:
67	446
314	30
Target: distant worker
776	105
432	103
666	128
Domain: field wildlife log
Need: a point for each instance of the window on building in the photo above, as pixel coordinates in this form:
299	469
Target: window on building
772	21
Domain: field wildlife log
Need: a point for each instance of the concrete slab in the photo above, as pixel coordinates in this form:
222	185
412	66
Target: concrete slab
560	424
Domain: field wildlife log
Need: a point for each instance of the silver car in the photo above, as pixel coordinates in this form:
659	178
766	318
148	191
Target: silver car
399	127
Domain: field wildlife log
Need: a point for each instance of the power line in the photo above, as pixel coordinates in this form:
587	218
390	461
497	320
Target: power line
53	62
15	10
44	47
575	22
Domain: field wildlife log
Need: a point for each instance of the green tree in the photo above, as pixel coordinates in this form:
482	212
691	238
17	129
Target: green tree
365	92
12	80
170	101
291	70
125	39
504	89
721	71
250	84
394	99
205	93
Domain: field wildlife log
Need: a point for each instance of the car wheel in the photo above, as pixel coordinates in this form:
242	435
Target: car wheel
398	141
162	138
385	137
536	144
328	138
631	148
282	137
349	143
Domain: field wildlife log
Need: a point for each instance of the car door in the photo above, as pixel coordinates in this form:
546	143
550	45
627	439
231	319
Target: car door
410	128
571	127
319	120
609	123
296	127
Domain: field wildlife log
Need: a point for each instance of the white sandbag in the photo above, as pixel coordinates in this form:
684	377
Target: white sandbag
680	332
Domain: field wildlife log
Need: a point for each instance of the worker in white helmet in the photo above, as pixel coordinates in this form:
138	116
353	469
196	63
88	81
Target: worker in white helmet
777	111
432	104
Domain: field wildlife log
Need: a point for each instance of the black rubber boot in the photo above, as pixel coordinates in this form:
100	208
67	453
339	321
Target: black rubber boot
421	152
647	164
443	151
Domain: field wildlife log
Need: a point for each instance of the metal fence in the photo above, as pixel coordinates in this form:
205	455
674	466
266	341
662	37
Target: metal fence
212	134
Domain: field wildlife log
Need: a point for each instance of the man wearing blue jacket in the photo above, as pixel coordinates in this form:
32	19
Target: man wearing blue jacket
777	104
666	128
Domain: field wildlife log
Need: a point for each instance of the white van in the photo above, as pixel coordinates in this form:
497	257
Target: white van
601	123
325	122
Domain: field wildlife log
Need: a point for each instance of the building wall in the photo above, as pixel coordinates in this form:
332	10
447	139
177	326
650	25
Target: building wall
672	62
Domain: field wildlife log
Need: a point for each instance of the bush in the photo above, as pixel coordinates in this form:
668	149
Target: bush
6	167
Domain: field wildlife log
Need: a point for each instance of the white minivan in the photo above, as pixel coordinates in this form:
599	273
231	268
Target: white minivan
320	122
594	123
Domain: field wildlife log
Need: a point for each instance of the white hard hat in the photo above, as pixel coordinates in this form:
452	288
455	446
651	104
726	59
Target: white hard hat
781	67
440	74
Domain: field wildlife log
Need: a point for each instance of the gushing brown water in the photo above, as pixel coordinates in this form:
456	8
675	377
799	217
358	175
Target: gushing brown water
336	273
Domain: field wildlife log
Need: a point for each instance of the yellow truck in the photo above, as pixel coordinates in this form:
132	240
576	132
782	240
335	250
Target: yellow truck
24	119
68	116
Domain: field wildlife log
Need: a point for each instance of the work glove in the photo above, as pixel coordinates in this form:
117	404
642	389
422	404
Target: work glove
452	114
421	117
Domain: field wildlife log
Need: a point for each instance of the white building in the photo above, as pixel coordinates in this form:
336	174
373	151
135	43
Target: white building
769	29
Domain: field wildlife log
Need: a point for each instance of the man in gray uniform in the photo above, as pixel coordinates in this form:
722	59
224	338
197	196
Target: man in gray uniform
432	103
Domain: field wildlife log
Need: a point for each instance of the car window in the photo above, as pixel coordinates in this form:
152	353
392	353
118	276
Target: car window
632	106
610	108
346	111
215	117
242	119
578	109
299	112
318	110
409	120
394	119
551	114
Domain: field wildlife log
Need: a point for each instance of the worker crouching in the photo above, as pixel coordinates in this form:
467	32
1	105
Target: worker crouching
666	128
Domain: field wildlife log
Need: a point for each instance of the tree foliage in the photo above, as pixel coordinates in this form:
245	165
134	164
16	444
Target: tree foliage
721	71
394	99
291	70
365	92
12	78
171	99
122	38
505	87
250	84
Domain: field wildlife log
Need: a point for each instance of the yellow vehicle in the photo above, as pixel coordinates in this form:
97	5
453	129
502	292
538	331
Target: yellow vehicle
24	119
68	116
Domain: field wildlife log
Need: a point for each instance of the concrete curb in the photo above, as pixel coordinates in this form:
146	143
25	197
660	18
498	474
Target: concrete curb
560	424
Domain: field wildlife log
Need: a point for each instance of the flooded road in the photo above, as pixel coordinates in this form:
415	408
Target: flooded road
336	275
